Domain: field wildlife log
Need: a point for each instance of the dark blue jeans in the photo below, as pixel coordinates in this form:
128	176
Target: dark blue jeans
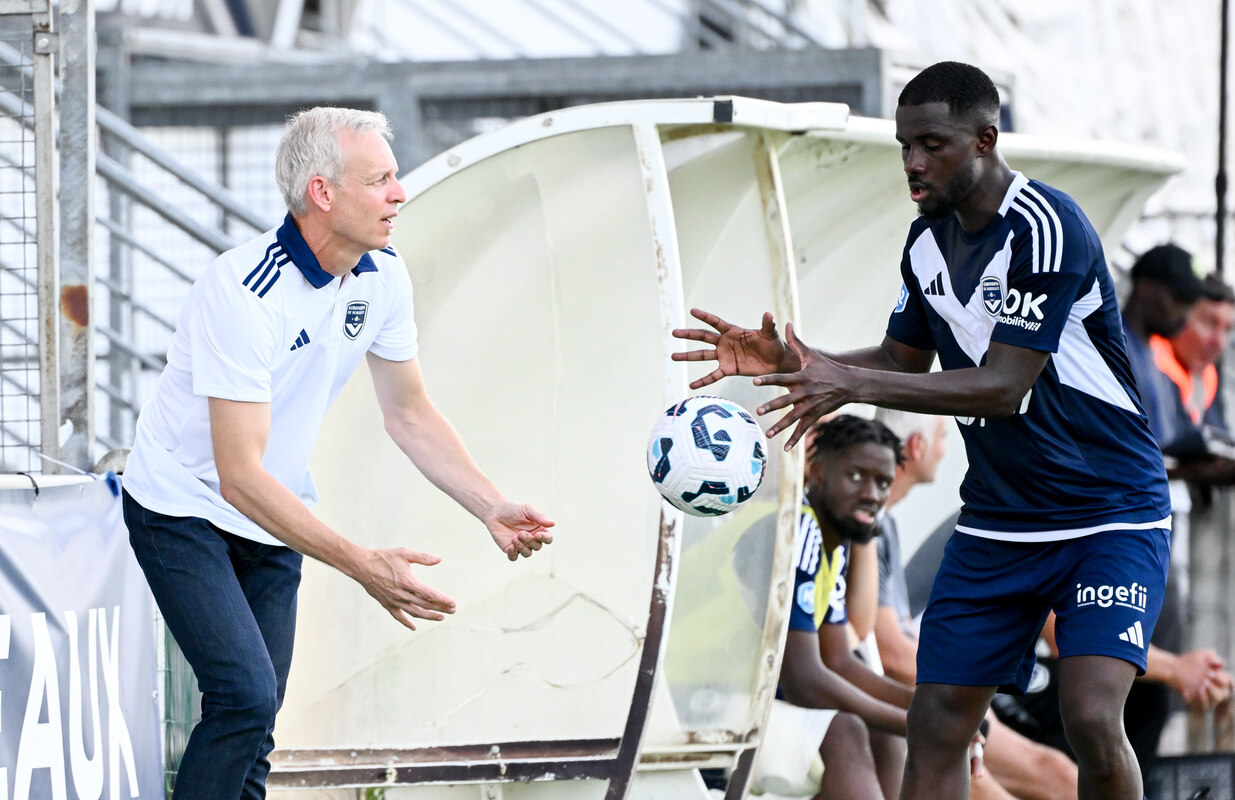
231	605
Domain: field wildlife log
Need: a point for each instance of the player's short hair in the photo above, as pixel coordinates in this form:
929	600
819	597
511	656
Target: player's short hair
310	146
968	91
1217	290
847	430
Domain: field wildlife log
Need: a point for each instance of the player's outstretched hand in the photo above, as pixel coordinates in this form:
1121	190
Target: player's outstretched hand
519	529
736	351
815	389
387	576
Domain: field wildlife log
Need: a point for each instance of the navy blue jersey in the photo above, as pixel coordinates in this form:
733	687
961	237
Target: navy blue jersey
1078	456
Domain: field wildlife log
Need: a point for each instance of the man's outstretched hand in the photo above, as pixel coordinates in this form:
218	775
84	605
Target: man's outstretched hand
519	529
736	351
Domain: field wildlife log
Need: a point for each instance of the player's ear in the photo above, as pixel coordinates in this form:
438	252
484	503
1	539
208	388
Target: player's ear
987	138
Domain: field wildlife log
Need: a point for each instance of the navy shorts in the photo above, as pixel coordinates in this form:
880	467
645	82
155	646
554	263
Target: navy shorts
991	598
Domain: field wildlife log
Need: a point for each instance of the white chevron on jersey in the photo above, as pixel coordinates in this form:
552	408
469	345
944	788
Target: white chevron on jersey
970	324
1079	363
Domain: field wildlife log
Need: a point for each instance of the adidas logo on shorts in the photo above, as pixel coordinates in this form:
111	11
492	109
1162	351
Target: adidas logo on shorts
1134	635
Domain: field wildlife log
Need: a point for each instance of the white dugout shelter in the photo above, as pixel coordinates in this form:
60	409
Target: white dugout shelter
550	260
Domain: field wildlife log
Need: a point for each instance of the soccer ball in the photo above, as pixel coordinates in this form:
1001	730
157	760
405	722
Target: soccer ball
706	455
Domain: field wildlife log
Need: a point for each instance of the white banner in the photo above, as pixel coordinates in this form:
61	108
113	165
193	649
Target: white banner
79	716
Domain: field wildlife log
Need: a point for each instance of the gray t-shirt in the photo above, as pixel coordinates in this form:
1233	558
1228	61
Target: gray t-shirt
893	590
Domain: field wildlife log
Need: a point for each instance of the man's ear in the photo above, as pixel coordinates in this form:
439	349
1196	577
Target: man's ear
320	193
987	138
814	472
914	447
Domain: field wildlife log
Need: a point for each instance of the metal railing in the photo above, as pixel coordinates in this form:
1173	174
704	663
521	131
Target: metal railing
141	269
705	24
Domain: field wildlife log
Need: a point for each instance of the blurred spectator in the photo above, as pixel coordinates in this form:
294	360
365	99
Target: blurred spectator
1164	288
1190	357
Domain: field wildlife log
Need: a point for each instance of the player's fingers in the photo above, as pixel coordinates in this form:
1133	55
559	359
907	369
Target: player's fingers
707	380
785	379
775	404
710	319
783	424
694	355
696	335
769	324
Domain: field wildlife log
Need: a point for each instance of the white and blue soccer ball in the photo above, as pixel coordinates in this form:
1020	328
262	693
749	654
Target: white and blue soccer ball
706	455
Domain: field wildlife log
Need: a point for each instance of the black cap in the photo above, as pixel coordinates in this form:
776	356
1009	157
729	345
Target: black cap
1171	266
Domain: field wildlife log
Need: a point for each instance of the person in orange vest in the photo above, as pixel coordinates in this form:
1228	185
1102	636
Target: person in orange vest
1189	358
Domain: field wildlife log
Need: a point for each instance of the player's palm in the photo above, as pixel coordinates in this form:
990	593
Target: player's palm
736	350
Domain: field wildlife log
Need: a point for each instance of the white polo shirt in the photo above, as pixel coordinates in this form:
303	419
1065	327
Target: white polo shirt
265	324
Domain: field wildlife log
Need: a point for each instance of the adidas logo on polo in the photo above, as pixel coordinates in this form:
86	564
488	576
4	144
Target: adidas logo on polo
301	340
936	287
1134	635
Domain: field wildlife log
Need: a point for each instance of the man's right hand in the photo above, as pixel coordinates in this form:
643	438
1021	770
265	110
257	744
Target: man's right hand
737	351
387	576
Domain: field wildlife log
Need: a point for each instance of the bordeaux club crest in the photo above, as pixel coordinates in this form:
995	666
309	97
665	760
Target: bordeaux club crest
353	322
992	295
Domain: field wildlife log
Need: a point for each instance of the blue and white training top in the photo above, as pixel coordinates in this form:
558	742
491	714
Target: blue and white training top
1078	458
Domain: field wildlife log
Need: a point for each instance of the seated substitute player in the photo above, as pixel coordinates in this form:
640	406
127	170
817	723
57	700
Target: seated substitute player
1005	281
217	485
850	466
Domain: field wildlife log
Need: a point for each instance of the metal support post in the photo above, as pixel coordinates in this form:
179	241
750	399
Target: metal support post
77	205
46	45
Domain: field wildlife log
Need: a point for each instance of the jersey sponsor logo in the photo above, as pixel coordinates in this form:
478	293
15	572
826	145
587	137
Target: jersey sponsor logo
1022	309
1026	304
301	340
353	321
936	287
1019	322
902	299
806	597
1134	596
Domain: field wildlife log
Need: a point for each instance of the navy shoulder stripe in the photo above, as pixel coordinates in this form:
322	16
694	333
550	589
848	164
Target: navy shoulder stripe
267	271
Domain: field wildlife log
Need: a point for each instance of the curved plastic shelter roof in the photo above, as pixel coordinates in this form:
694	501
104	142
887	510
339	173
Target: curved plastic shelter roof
550	260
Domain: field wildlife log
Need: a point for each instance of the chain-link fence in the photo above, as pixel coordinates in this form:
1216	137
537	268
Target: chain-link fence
19	319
